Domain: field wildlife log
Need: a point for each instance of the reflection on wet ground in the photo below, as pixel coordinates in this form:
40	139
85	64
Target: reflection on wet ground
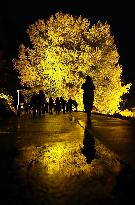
62	172
116	134
88	144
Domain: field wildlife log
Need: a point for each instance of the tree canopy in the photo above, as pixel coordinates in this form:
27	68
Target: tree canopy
63	50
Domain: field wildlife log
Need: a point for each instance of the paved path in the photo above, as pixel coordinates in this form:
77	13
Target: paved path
42	162
116	134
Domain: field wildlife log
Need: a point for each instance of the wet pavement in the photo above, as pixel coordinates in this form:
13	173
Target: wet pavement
56	160
116	134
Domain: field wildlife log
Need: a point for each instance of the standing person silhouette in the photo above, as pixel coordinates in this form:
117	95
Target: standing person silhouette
88	95
57	105
63	104
34	103
51	104
41	102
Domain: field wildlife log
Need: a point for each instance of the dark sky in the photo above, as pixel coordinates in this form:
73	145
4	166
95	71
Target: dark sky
15	16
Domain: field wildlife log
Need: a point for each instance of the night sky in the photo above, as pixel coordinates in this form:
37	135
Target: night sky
16	16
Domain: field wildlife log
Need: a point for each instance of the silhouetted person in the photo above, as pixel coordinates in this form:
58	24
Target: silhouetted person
46	106
34	103
51	104
70	104
26	108
41	102
19	110
67	106
75	104
89	144
63	104
88	95
57	105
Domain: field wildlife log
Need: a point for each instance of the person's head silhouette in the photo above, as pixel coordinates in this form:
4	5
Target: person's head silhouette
88	78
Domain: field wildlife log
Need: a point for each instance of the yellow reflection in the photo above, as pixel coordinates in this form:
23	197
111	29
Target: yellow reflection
66	159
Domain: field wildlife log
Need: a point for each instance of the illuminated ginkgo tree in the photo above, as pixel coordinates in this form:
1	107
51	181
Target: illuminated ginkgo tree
63	51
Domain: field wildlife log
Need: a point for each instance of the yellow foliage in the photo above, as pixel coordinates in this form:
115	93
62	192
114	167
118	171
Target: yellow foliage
9	100
126	113
64	50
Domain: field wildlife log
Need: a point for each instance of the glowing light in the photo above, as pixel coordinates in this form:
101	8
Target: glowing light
18	98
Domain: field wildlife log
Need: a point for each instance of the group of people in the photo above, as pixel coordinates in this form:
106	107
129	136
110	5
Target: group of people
40	105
